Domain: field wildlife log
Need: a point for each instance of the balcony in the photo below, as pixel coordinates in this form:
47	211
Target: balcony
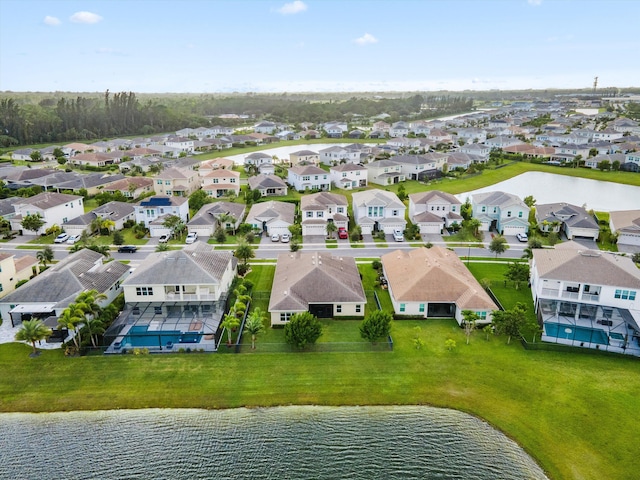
550	292
190	297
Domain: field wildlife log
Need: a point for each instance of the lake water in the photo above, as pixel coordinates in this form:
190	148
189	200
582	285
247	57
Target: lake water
267	443
552	188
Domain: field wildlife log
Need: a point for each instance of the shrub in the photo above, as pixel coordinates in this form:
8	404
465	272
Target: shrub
376	264
243	268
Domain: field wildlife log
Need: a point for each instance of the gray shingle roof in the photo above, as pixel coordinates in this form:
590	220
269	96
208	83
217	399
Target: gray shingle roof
302	278
208	214
47	200
197	264
266	181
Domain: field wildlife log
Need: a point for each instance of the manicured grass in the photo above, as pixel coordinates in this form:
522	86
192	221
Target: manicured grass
562	409
129	238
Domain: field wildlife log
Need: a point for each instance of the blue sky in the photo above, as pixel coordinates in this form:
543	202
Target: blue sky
317	45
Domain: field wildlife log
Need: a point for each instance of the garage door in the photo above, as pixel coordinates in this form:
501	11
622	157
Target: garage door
388	229
425	229
512	230
278	230
314	230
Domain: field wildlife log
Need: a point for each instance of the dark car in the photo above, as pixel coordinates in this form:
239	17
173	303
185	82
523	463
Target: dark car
127	249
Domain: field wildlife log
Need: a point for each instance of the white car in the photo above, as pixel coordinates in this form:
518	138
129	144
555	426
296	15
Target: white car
192	237
73	239
275	237
522	237
398	236
285	237
163	239
63	237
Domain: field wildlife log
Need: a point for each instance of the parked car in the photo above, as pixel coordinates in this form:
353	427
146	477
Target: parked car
73	239
164	239
522	237
63	237
342	233
398	236
285	237
192	237
127	249
275	237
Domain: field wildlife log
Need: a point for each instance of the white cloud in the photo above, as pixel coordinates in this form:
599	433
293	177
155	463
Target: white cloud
535	3
85	17
294	7
52	21
366	39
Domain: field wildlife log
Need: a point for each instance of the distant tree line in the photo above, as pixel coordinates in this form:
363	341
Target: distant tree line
37	118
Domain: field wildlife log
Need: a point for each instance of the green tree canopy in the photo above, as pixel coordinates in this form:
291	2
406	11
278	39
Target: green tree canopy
32	222
255	325
302	329
510	322
376	325
498	245
32	331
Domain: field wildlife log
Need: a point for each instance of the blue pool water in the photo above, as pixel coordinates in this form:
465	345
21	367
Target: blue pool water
580	334
140	336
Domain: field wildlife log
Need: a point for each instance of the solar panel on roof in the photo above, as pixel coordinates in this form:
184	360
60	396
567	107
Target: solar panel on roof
157	202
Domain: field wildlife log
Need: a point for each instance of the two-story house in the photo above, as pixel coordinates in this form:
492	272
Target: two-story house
384	172
174	300
180	182
587	298
378	210
320	208
14	270
420	167
348	176
182	144
256	159
308	177
221	182
504	212
399	129
53	208
307	157
265	127
335	154
434	210
152	211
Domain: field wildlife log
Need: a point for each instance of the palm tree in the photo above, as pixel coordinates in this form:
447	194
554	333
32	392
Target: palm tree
33	331
244	252
95	327
230	323
331	229
71	318
225	218
255	325
89	303
45	256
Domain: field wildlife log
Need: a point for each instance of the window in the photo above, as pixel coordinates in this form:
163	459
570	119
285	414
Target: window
320	214
395	213
306	178
169	192
340	209
309	214
509	213
484	209
285	316
316	177
167	182
144	291
64	220
625	294
495	209
338	308
482	315
159	182
157	310
453	208
519	214
403	307
232	180
421	308
358	308
1	289
344	174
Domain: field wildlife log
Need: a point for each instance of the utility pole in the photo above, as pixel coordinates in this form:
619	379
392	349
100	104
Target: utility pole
595	84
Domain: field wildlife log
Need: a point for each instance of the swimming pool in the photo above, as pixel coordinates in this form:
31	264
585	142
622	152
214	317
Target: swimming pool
578	334
140	336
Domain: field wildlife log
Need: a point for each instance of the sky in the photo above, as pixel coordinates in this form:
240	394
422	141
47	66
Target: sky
209	46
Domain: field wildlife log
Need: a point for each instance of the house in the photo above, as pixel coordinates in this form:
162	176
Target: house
319	283
48	294
434	210
348	176
594	162
208	218
256	159
626	225
304	157
574	221
501	211
73	149
118	212
215	164
92	183
318	209
130	187
218	183
97	159
269	185
439	136
14	270
308	177
434	283
421	167
23	154
384	172
182	144
476	149
378	210
53	208
399	129
180	182
265	127
271	217
152	211
587	298
463	160
335	129
336	154
501	141
174	300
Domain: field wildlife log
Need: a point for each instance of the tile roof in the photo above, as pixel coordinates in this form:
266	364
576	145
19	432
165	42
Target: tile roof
322	200
208	214
272	210
377	197
266	181
47	200
434	196
433	275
